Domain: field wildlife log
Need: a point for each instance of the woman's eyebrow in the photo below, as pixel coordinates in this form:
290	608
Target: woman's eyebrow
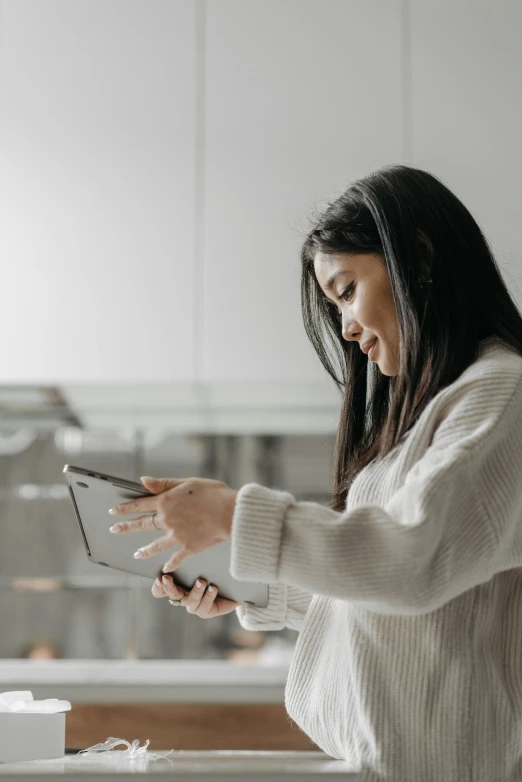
332	279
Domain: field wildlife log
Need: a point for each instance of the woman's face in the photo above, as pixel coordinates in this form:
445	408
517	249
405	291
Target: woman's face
362	293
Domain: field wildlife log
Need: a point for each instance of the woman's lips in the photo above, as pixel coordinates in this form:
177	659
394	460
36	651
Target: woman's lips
372	349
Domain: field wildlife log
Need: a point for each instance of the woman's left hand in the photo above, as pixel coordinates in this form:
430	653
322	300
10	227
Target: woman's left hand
195	513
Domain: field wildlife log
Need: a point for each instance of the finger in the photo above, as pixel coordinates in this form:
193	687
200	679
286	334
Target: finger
159	485
171	589
195	595
156	547
222	605
139	505
157	589
206	607
135	525
176	559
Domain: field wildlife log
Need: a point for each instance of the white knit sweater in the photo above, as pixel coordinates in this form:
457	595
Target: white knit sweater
408	663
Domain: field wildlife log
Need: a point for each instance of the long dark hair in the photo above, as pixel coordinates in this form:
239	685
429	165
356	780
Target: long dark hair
418	228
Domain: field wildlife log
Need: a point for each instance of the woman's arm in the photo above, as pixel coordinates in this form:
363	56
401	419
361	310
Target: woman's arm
453	524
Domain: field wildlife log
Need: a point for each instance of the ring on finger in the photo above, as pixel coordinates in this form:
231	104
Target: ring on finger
165	583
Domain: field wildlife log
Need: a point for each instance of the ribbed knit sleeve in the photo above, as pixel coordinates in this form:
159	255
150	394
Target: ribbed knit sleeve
453	524
286	607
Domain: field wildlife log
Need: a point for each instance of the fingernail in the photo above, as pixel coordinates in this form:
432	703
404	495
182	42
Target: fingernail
113	511
165	579
210	589
139	554
158	582
114	528
198	583
165	569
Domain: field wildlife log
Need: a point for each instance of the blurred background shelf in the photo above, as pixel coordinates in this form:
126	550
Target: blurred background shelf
147	681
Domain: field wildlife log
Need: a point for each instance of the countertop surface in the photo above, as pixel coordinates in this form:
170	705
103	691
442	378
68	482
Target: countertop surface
192	766
162	672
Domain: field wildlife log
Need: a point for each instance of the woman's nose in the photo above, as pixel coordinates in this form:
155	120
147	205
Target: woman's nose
348	330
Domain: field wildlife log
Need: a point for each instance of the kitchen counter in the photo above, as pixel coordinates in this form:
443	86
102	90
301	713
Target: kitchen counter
146	681
186	766
198	705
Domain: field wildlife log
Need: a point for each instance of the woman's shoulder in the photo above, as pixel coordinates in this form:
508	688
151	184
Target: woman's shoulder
486	395
495	350
498	366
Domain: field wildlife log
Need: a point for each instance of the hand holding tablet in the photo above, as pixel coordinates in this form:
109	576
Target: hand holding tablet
203	599
195	513
193	516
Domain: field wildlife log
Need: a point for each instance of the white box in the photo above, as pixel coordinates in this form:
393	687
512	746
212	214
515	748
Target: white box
31	736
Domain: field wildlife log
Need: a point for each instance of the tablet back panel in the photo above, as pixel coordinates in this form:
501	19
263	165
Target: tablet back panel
93	493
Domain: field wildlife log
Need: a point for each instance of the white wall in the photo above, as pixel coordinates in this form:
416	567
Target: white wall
302	97
97	161
466	85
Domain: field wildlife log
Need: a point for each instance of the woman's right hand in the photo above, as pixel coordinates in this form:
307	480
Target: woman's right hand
201	600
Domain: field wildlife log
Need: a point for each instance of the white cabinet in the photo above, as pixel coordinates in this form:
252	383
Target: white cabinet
160	161
466	65
97	211
302	97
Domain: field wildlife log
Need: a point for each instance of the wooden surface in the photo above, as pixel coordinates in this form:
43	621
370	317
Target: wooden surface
187	726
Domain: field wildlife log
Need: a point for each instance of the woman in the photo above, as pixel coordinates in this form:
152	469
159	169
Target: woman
407	592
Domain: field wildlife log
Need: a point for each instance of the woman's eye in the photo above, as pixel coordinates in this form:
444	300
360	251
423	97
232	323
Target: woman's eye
347	293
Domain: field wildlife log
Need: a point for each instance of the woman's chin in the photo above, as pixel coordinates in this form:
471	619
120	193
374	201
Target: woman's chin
386	369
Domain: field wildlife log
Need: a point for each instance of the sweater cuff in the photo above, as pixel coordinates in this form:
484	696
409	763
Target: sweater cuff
257	527
270	618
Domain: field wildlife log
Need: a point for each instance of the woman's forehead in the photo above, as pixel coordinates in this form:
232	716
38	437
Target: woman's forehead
327	264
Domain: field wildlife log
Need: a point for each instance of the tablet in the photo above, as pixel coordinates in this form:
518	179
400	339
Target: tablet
93	493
